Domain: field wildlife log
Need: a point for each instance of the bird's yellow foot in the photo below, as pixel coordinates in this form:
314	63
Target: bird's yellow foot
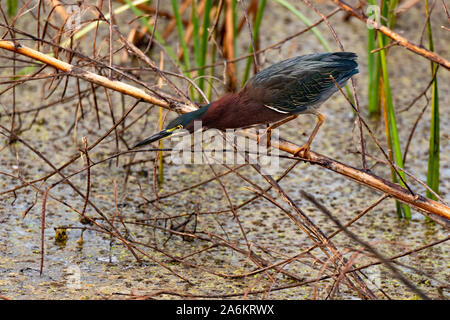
303	152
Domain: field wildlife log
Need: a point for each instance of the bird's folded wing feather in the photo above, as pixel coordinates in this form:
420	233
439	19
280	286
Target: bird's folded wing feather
295	84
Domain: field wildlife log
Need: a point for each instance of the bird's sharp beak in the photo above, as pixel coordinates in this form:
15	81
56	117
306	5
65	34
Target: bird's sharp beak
158	136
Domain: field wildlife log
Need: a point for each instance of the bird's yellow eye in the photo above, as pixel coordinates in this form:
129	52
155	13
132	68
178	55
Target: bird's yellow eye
175	128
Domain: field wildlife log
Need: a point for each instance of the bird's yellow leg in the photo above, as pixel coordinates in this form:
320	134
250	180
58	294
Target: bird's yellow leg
268	132
304	150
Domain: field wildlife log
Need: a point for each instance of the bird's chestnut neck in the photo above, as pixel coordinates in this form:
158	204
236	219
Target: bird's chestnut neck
187	119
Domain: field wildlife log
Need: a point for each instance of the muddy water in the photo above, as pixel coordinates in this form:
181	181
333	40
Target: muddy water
100	267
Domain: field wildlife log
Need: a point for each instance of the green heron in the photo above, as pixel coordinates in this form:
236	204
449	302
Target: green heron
274	96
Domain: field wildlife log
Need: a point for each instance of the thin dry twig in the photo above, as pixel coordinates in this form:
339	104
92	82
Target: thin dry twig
368	247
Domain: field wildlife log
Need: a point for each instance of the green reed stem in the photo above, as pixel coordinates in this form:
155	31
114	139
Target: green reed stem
391	123
389	144
196	34
391	14
393	132
433	153
204	43
11	6
373	70
180	28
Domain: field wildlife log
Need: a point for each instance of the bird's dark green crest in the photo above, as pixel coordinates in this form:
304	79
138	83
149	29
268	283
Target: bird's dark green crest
187	118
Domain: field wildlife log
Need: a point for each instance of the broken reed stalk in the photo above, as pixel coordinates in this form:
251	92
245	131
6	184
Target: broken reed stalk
433	209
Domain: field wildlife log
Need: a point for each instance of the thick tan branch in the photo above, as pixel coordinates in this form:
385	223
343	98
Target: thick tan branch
435	210
86	75
430	207
402	41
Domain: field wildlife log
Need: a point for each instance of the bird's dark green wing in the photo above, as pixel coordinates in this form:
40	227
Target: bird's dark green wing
293	85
